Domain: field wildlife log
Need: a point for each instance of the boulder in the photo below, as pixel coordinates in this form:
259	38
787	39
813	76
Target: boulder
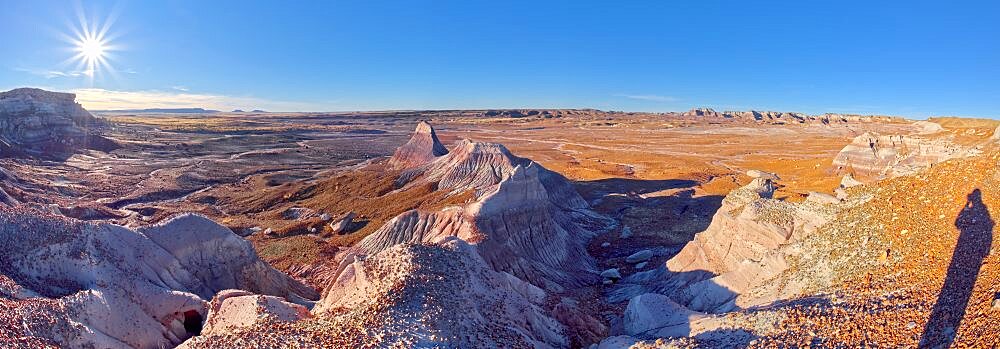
611	274
626	232
344	224
640	256
841	194
848	181
653	315
231	310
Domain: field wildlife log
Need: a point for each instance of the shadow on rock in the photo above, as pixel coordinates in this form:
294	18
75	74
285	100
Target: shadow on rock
630	186
975	239
693	289
726	338
660	212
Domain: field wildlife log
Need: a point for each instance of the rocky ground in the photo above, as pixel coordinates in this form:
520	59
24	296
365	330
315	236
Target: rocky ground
918	264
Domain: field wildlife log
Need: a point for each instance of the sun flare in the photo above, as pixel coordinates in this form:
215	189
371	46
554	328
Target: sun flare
92	47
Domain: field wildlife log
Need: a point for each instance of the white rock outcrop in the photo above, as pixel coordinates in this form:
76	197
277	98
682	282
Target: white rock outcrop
848	181
82	284
740	249
407	292
655	315
872	156
231	310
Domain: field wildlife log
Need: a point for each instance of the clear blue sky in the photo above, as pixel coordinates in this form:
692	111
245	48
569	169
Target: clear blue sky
911	58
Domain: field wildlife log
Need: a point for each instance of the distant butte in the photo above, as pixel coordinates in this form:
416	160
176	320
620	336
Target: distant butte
422	147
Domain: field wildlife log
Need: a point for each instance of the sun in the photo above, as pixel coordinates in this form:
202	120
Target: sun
91	49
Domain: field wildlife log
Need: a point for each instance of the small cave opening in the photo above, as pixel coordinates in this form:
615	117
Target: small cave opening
193	322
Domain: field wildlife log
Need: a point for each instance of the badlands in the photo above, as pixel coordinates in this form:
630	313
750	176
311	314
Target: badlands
494	229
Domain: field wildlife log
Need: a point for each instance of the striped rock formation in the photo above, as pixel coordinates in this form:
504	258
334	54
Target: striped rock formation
872	156
77	284
525	220
38	123
422	147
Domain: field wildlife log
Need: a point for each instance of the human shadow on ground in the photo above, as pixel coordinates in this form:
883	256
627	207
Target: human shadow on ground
975	238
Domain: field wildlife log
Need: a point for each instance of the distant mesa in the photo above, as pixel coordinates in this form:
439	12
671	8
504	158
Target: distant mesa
708	114
238	111
44	124
515	113
161	111
782	117
258	111
537	113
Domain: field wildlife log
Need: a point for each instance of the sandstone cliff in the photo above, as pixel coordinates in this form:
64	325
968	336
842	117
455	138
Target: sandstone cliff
39	123
875	156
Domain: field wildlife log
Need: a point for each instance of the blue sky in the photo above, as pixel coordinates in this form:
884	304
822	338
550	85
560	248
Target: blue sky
910	58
